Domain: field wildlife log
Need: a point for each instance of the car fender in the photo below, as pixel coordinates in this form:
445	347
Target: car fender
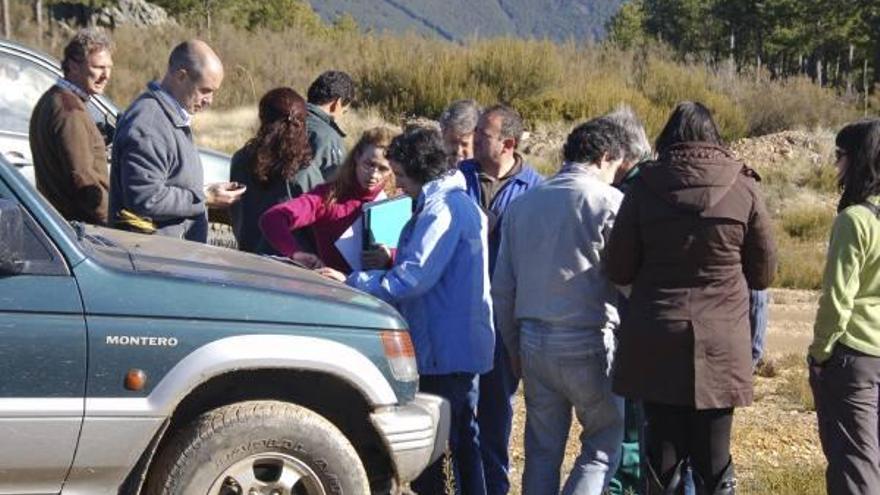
251	352
116	431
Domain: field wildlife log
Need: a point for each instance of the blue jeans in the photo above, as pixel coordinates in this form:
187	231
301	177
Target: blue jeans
565	368
759	306
460	389
495	417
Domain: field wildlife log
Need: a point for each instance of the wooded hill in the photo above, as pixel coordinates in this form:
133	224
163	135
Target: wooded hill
834	42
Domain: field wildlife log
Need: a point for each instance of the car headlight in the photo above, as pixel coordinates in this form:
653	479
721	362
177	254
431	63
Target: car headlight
400	354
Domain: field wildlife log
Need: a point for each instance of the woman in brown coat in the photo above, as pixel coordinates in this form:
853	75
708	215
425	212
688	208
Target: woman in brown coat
691	237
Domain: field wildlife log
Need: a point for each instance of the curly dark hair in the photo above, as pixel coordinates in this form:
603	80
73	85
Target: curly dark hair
690	121
592	139
281	147
330	85
422	154
861	179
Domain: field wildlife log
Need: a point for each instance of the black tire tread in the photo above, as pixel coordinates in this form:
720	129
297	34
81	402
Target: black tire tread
186	443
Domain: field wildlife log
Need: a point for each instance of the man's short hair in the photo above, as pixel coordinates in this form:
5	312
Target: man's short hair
511	121
185	57
592	139
422	154
84	43
636	147
460	118
331	85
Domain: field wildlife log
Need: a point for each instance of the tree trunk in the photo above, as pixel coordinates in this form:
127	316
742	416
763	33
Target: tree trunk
38	15
865	85
731	59
819	72
849	70
7	25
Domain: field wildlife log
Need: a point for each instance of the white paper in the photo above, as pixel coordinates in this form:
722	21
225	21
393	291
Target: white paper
351	243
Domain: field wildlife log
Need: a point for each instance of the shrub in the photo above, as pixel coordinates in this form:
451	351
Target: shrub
801	263
666	83
775	106
809	223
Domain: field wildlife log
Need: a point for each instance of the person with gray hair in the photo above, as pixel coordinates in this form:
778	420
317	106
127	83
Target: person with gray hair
457	124
556	312
69	151
637	148
156	176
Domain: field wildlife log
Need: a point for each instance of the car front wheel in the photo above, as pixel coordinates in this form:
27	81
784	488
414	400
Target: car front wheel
258	448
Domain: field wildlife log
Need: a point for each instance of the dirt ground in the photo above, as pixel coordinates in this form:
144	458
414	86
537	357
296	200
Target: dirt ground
773	437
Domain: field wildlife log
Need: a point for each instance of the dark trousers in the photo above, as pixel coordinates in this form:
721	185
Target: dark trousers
495	417
460	389
845	390
676	433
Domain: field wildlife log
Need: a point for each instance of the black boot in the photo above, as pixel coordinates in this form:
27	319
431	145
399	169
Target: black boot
725	485
673	486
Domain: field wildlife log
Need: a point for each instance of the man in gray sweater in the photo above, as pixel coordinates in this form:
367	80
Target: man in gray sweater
156	178
556	312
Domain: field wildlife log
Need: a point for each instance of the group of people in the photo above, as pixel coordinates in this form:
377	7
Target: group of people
629	286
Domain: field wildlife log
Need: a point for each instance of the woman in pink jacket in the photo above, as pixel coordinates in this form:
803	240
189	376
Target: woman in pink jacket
331	208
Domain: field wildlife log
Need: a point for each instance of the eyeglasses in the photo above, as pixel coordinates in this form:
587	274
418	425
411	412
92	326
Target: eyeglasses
839	154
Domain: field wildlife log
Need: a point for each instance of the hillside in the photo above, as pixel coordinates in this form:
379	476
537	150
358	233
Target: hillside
461	19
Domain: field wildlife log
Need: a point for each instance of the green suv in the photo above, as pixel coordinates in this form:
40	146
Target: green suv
144	364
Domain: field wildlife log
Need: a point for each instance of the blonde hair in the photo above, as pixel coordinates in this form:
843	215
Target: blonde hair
344	182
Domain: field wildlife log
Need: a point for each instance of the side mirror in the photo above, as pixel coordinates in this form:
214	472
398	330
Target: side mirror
12	256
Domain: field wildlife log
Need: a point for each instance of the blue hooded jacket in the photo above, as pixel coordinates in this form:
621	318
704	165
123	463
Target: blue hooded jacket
440	281
527	178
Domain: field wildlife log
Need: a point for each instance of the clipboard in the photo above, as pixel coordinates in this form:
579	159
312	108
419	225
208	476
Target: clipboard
384	220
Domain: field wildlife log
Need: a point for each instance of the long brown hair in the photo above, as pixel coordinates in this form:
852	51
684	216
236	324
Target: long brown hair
861	179
281	147
344	183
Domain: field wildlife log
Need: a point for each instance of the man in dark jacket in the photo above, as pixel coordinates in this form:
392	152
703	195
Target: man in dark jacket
156	174
495	177
70	156
329	97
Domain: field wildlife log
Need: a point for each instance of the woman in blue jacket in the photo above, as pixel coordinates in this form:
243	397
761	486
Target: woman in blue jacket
440	284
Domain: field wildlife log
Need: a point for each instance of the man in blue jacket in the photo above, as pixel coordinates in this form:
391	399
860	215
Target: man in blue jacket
495	177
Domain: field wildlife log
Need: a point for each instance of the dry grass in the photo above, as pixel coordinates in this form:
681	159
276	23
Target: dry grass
410	75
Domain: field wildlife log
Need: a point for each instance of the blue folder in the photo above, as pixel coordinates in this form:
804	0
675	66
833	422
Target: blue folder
384	220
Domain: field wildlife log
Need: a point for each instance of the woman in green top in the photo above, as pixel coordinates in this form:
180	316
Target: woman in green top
845	354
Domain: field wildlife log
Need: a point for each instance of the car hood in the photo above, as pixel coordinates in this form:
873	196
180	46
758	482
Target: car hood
201	281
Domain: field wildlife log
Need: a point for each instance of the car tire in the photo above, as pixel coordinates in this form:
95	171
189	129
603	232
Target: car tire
262	445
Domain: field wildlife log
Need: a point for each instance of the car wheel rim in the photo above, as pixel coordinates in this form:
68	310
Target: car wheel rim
268	474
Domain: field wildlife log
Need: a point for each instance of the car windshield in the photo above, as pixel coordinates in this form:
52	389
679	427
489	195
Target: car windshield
21	85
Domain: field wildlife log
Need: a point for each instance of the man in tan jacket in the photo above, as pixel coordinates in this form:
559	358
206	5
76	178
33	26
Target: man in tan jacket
70	155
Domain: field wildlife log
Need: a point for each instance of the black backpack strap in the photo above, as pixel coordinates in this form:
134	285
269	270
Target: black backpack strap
874	208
